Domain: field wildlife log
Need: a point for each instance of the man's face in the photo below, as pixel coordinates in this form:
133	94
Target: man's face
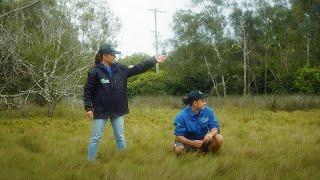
200	104
109	58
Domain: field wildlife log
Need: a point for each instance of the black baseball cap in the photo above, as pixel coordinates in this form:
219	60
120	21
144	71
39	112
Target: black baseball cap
196	95
107	49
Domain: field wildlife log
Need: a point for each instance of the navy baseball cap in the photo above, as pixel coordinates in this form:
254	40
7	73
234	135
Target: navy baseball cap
196	95
107	49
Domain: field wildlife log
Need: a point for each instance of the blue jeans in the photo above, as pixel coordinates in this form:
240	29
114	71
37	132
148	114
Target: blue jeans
97	132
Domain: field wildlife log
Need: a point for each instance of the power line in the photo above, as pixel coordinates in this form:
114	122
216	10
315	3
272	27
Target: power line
155	11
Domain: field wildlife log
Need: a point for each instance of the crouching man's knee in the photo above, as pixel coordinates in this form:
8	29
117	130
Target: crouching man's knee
216	143
218	139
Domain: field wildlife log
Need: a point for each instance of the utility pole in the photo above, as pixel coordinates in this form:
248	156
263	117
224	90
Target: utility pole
155	11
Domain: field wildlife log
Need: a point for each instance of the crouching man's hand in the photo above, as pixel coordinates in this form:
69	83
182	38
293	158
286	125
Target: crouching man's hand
197	143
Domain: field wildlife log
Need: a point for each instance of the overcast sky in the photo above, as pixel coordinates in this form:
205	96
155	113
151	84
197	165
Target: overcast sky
137	32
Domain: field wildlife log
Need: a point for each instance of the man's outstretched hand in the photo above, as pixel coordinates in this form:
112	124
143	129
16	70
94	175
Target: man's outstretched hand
161	58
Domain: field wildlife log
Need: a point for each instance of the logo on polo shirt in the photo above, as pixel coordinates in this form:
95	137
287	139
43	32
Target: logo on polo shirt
204	119
104	81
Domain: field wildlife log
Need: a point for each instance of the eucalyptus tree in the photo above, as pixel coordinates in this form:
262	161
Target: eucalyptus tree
214	22
260	28
241	21
307	14
43	44
265	14
283	43
186	65
14	79
276	26
206	24
95	22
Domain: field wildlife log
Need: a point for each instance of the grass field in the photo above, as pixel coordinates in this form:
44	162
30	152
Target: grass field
261	141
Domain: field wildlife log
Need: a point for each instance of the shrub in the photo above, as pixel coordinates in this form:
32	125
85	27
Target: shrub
283	84
307	80
148	83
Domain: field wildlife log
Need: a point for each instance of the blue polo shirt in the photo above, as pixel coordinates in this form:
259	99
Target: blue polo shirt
195	126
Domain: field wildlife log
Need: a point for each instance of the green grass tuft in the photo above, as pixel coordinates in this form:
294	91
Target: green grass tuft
259	142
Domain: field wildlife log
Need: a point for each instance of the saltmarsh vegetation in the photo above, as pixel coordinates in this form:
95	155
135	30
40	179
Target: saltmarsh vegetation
265	137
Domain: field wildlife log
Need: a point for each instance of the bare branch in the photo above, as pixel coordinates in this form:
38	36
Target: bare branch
21	7
211	77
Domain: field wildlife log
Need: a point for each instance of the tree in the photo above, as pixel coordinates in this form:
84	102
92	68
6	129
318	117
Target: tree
240	21
264	23
133	59
95	22
43	45
206	26
307	13
272	38
214	22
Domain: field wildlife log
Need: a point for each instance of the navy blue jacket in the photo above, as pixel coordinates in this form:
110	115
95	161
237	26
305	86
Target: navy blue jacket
106	94
195	126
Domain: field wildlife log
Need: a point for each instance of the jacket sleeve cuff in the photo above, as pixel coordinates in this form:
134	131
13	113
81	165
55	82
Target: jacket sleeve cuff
153	58
88	108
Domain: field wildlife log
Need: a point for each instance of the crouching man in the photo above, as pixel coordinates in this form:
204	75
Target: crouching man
196	127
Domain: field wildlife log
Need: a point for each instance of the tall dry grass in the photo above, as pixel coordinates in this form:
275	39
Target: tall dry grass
259	143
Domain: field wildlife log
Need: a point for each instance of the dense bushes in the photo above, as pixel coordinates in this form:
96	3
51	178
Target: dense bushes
305	80
148	83
283	84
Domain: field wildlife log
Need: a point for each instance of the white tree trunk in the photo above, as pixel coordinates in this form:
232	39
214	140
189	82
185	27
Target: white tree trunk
215	87
244	64
265	72
308	52
224	86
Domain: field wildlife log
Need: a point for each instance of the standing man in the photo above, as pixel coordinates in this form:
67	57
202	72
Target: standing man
105	95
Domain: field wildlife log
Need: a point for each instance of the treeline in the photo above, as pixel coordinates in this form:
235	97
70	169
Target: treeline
222	48
260	47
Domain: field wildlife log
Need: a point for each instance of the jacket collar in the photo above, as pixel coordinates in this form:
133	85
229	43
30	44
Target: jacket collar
102	67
